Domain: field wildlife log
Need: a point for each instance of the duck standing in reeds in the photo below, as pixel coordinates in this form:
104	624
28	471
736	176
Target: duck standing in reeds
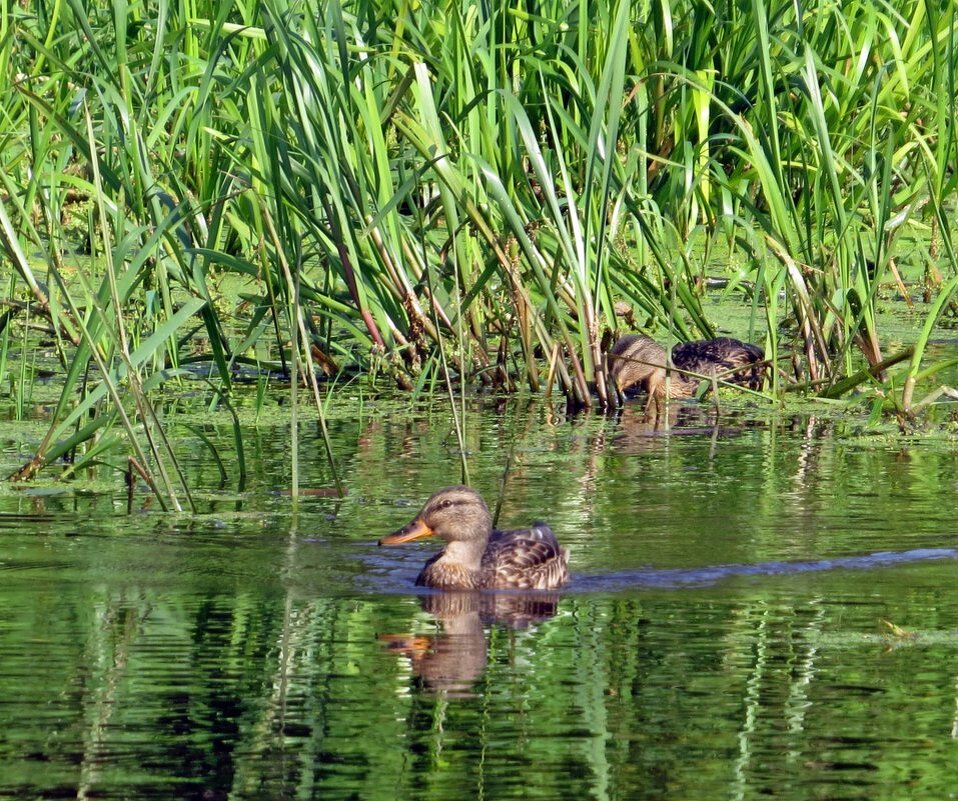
475	556
637	361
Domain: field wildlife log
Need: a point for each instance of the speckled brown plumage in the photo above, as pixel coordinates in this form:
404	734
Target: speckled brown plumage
639	362
477	557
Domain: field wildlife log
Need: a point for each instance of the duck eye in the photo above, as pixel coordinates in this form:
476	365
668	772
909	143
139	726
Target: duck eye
445	503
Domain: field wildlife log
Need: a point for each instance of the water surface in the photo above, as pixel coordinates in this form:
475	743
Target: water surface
759	608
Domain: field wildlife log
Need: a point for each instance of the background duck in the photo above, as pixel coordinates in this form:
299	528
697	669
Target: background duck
477	557
639	362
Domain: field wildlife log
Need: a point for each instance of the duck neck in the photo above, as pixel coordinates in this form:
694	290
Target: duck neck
466	553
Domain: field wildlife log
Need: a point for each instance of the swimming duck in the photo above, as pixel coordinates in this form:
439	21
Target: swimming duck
475	556
637	360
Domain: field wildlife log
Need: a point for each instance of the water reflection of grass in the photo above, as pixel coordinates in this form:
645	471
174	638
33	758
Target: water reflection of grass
147	650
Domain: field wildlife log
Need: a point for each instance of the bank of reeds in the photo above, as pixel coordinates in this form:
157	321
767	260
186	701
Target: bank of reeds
411	189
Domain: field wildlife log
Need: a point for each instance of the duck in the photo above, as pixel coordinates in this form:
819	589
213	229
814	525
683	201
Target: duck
476	556
638	361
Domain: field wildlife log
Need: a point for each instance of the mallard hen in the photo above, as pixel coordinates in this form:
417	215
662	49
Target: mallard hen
637	361
477	557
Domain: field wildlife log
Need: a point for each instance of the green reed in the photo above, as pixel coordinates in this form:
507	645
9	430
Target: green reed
459	191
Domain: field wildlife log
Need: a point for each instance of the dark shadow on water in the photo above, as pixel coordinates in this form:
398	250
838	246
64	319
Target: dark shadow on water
701	576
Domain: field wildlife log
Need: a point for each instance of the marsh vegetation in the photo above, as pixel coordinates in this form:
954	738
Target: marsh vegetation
437	195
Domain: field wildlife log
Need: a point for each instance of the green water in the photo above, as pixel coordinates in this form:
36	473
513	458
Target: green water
722	637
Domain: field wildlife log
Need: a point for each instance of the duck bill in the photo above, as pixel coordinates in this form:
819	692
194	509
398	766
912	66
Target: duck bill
416	530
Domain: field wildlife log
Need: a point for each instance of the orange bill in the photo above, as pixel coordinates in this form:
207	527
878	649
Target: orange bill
414	531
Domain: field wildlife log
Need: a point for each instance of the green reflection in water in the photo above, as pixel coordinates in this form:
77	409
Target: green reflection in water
251	653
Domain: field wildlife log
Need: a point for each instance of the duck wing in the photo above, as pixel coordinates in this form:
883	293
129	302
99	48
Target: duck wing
525	559
740	360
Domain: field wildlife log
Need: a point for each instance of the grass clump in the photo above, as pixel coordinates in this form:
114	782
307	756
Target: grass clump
444	189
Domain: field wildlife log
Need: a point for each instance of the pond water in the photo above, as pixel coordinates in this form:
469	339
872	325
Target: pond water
759	608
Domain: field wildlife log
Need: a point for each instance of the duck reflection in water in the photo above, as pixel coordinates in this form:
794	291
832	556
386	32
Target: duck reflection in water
452	661
639	432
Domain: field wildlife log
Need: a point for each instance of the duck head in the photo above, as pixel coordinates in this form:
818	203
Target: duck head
454	514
